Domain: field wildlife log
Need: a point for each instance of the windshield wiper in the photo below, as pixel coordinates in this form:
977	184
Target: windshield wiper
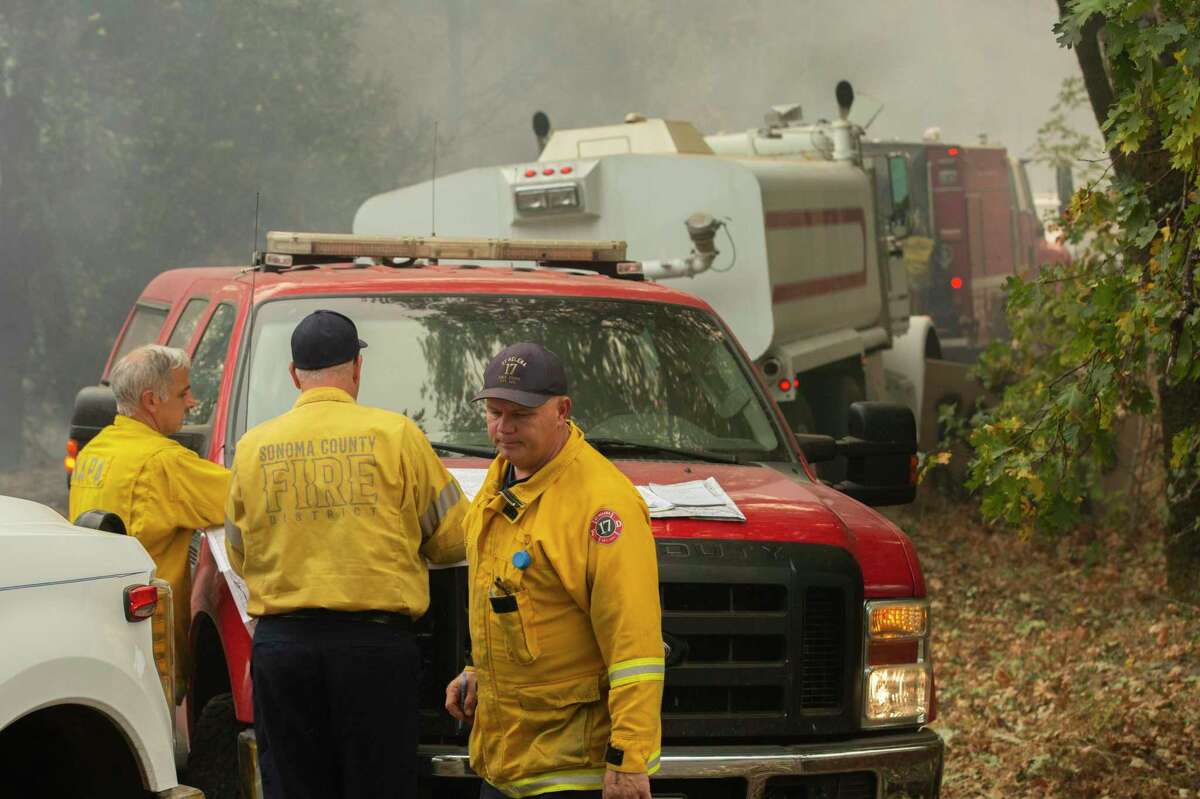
464	449
604	444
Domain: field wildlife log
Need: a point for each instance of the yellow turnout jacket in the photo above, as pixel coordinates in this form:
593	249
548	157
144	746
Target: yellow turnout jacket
163	492
335	505
567	651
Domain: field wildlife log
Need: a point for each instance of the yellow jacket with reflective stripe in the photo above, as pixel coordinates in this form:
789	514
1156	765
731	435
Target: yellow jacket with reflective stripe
333	504
162	491
568	652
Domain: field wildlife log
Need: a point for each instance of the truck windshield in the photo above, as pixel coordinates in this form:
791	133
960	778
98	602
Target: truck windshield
639	372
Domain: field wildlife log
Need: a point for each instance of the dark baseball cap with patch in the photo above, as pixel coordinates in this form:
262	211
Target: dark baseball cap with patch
526	373
325	338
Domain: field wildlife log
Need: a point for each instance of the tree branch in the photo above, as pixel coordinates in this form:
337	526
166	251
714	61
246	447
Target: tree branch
1095	76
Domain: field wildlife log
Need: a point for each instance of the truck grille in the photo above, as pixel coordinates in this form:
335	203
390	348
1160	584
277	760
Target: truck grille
766	639
763	637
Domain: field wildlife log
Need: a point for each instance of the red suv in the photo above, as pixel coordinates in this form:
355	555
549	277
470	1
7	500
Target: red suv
800	662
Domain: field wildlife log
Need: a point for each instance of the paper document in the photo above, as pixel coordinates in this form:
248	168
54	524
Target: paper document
653	501
695	499
469	480
693	493
237	586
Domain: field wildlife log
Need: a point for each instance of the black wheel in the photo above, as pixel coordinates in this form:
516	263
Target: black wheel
213	762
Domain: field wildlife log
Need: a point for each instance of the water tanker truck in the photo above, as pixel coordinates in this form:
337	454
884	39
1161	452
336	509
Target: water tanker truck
790	251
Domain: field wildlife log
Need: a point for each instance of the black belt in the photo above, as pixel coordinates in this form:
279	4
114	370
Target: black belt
401	620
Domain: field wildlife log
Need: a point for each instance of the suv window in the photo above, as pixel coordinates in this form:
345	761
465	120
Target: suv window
208	363
186	324
142	329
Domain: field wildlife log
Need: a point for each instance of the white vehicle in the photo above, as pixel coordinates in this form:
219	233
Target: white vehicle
788	248
86	669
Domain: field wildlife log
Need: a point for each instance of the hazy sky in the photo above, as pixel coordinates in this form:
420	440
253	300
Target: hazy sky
967	66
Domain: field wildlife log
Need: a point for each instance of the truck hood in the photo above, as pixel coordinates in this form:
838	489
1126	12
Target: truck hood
39	547
789	507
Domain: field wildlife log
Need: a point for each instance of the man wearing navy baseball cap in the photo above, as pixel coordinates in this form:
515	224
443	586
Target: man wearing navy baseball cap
333	509
566	632
324	339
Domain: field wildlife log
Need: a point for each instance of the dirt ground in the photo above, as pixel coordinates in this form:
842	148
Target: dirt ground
45	483
1062	670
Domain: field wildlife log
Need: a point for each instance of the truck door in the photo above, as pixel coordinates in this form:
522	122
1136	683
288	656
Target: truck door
899	222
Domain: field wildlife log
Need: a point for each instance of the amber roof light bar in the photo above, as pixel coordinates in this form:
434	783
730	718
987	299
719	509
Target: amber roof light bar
342	245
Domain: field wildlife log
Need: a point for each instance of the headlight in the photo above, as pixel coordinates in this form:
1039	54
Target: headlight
531	201
897	672
897	693
543	199
566	197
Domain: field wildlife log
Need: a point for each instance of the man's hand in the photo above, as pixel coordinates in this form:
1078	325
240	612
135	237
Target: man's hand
622	785
462	708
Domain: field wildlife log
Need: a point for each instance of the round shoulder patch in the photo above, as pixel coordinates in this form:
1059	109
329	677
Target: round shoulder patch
606	526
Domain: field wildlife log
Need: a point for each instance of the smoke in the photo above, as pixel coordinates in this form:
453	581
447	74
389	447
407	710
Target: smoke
970	67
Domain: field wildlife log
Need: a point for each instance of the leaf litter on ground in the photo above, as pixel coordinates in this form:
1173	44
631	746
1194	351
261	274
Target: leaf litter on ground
1058	674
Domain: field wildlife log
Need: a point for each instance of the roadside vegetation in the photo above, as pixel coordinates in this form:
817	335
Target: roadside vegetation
1113	335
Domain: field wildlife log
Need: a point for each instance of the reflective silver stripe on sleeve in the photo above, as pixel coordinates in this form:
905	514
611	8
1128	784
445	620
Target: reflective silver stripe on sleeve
437	510
636	673
557	781
233	535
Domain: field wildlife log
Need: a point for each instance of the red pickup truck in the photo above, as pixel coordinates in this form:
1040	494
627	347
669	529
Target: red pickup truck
799	658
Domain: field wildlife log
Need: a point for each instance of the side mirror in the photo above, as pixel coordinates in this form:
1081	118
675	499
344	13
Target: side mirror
817	448
95	409
101	520
880	453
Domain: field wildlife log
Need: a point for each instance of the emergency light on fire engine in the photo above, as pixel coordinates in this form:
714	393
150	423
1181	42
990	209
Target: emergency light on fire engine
547	198
285	249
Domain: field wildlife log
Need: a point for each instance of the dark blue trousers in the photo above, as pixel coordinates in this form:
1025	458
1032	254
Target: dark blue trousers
335	708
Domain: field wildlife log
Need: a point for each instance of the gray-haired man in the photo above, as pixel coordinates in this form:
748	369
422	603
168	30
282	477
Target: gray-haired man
161	490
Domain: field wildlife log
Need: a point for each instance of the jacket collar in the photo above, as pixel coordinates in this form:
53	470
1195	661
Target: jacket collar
323	394
513	501
127	424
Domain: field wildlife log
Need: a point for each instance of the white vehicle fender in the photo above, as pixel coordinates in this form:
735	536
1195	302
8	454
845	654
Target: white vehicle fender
115	693
907	355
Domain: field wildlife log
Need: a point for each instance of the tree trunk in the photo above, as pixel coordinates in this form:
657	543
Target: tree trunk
1178	403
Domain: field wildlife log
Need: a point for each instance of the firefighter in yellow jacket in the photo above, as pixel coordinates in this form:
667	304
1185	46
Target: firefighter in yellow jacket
162	491
566	684
332	510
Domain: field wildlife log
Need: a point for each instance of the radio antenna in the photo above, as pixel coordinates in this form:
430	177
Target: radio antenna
433	186
255	260
257	197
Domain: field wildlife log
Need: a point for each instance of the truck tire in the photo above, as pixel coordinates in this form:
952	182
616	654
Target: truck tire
799	415
830	397
213	762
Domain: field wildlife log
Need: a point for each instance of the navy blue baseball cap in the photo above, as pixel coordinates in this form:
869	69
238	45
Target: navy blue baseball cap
325	338
527	374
